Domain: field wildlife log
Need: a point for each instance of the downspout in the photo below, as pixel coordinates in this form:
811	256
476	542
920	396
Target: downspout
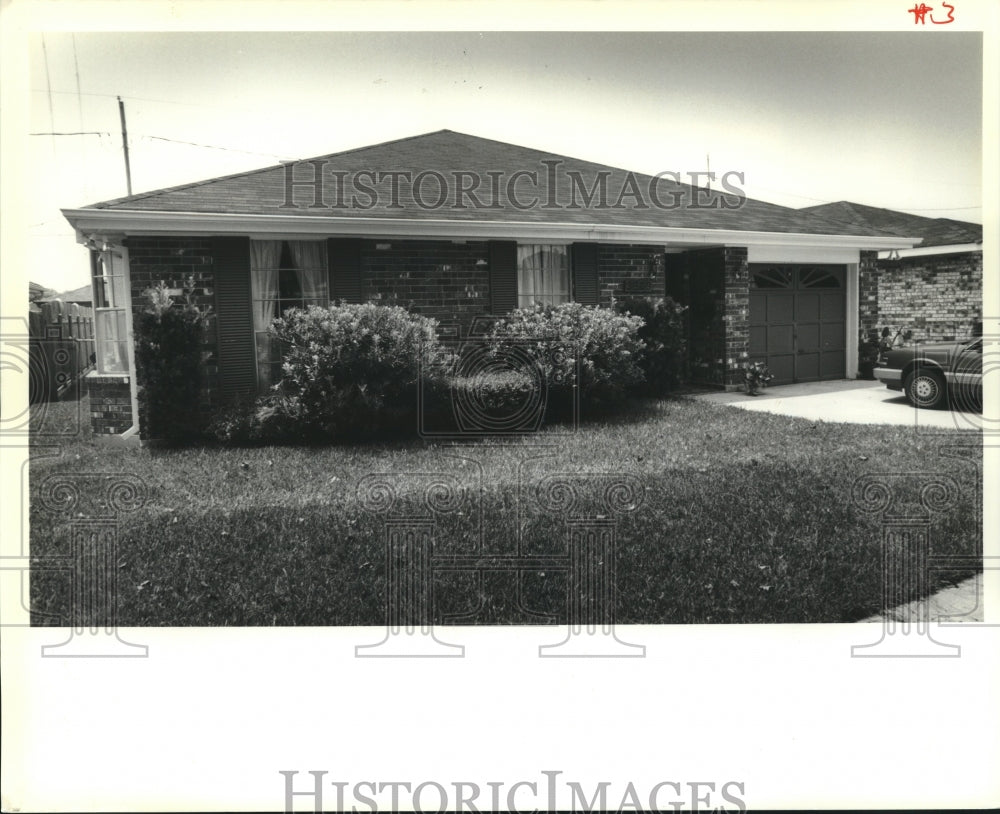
852	319
133	430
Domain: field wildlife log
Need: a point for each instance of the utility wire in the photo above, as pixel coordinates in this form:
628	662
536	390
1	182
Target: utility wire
74	133
141	99
214	147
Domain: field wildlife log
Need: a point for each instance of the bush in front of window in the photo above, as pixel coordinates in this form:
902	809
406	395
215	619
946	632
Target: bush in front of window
481	402
349	370
168	343
664	355
593	349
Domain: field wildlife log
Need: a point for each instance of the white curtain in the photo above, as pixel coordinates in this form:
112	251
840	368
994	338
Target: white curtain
543	275
265	255
111	332
310	267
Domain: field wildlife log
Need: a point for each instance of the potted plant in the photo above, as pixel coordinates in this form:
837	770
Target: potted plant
755	376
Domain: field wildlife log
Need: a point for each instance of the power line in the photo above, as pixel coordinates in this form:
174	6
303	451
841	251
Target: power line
214	147
141	99
163	138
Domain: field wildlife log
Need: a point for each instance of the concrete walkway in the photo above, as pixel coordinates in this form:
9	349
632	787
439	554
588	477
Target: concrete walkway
959	603
845	400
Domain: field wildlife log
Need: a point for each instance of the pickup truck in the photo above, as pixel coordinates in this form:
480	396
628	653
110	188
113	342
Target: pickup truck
934	375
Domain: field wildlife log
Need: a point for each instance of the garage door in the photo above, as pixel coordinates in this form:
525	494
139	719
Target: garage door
797	321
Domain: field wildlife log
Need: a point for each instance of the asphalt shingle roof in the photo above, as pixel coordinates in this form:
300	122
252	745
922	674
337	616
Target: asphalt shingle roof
262	192
934	231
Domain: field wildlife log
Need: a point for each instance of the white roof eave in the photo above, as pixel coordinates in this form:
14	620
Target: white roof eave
90	222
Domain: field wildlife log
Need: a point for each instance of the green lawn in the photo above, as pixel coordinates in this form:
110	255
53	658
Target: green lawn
746	517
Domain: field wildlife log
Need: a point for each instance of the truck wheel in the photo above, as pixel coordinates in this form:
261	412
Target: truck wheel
926	389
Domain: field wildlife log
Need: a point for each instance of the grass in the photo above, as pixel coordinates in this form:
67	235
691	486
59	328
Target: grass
746	517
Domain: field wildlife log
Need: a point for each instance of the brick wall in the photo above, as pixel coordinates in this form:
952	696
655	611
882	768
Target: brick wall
449	281
440	279
868	292
110	404
939	298
629	271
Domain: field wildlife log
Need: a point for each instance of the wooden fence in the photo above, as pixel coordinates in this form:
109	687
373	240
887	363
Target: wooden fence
61	348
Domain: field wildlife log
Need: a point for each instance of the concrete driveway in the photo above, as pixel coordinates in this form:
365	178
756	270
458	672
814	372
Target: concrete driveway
846	400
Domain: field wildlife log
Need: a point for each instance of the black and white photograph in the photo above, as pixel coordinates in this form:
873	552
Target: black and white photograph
434	407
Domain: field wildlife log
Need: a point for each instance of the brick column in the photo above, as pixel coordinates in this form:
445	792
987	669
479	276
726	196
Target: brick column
736	312
868	292
110	403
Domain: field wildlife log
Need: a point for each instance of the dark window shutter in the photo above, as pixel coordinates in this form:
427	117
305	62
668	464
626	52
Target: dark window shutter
234	317
344	257
585	287
503	276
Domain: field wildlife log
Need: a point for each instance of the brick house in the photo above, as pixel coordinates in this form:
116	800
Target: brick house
458	227
934	289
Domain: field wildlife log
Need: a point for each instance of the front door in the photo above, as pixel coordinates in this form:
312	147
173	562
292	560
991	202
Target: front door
797	321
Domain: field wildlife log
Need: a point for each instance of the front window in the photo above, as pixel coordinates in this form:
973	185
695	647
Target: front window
110	304
284	274
543	276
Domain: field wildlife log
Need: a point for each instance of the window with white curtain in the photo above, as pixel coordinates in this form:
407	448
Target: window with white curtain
111	301
284	274
543	276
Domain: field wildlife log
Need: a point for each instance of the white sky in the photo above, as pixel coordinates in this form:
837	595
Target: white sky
886	119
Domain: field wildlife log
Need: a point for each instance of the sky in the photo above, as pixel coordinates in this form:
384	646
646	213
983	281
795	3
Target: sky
887	119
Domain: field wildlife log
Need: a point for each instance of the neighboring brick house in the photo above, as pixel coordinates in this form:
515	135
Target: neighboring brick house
934	290
458	227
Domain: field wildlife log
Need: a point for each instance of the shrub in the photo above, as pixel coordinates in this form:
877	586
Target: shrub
592	348
168	343
664	354
265	420
498	394
350	369
485	401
